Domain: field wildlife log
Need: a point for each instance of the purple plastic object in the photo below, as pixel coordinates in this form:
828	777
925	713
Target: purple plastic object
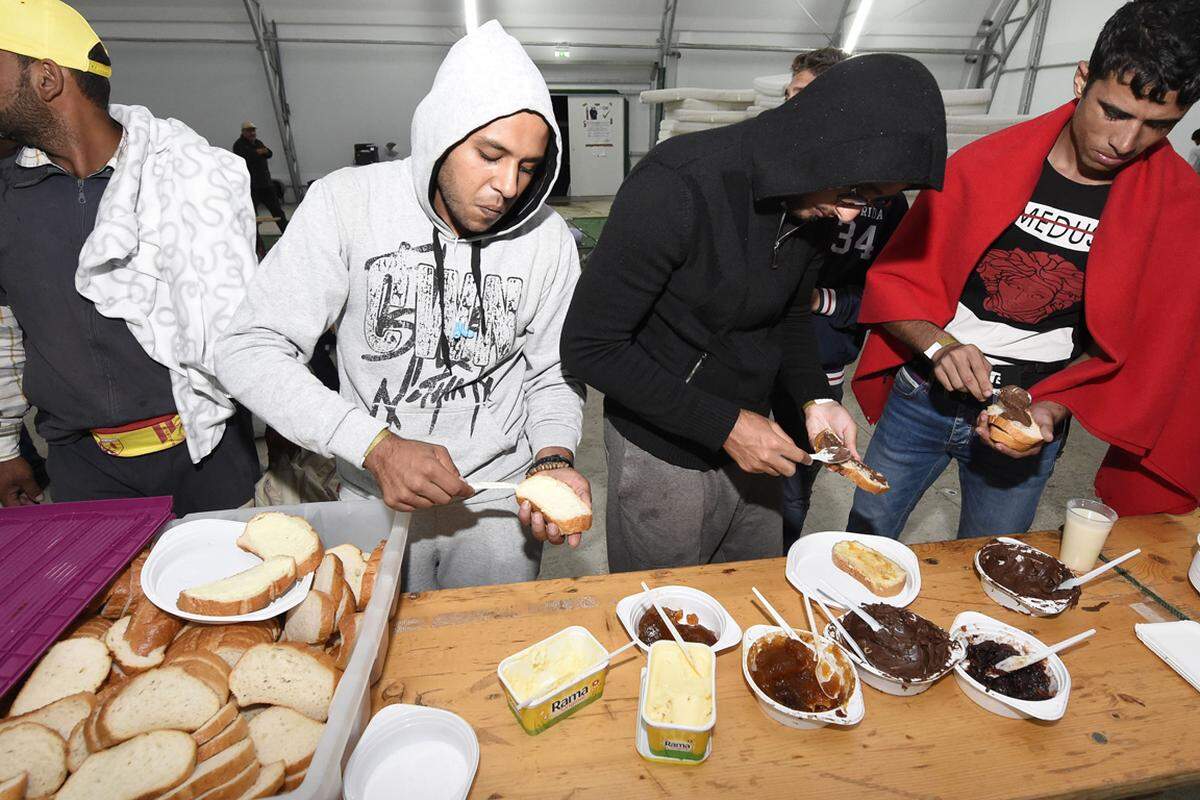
57	557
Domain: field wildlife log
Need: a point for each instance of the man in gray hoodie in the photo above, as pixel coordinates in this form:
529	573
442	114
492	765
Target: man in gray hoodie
447	279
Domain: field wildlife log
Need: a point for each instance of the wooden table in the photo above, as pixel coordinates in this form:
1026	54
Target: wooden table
1130	727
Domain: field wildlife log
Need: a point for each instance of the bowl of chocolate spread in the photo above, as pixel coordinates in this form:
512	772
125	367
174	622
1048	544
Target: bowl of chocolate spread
783	675
906	656
1023	578
1040	691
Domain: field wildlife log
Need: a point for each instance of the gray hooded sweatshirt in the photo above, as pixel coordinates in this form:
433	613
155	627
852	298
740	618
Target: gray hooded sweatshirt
421	348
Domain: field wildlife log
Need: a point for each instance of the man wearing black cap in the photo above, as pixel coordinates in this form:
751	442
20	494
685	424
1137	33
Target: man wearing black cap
697	302
262	188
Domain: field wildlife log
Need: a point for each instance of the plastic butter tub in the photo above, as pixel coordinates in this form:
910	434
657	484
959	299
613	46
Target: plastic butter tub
556	694
671	685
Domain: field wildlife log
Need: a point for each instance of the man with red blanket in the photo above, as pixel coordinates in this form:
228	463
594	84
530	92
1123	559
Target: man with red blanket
1061	257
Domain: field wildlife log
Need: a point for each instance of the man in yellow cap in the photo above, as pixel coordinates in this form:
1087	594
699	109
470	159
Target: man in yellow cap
115	224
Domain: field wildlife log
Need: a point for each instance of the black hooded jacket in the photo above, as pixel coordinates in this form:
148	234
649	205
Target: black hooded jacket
697	295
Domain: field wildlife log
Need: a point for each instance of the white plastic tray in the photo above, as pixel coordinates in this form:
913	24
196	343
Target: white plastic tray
707	609
970	624
198	552
413	751
362	523
810	560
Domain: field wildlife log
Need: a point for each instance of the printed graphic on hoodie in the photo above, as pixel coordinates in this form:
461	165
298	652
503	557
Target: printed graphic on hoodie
1024	299
405	319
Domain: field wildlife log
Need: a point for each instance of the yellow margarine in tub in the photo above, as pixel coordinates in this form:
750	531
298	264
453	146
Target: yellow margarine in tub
679	705
559	675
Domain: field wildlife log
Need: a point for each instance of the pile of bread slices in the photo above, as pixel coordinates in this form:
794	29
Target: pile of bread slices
135	704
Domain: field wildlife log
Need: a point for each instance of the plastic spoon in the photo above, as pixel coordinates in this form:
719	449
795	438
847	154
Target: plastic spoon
824	659
671	627
843	601
840	629
781	622
1071	583
1014	663
550	684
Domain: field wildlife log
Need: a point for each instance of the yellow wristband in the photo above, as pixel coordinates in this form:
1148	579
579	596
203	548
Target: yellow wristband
379	437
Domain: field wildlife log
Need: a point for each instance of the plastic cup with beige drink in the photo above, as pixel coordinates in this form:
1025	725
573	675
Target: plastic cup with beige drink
1086	529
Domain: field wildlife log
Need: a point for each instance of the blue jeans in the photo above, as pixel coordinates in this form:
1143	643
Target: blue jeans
922	428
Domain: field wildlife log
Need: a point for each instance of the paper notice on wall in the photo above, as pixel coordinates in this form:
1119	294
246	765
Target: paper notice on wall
598	123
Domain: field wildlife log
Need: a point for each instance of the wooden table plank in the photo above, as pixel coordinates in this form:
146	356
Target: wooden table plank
1168	544
1128	728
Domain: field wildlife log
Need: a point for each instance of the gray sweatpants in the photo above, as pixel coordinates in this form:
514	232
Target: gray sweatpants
660	515
459	545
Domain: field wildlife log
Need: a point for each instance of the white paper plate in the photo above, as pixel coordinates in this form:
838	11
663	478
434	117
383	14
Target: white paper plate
810	560
413	751
1176	643
711	614
201	551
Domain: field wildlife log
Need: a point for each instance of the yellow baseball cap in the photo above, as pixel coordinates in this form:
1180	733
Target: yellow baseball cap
52	30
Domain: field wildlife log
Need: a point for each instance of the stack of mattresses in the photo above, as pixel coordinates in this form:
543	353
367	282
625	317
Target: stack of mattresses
687	110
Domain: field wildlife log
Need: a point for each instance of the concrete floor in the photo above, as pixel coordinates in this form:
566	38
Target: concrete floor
934	519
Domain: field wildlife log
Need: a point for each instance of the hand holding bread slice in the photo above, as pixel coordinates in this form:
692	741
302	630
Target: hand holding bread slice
860	474
556	501
1010	420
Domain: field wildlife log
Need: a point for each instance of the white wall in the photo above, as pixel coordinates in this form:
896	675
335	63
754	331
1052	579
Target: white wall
1071	32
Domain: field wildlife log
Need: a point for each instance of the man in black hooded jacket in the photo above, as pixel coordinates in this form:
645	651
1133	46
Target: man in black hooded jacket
698	295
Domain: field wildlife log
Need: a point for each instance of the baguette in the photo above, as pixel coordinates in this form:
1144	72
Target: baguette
139	769
369	575
123	653
857	472
556	501
166	697
874	570
311	622
353	566
69	667
216	723
281	734
233	733
92	627
286	674
247	591
14	788
214	772
235	786
270	781
151	628
61	716
274	534
38	752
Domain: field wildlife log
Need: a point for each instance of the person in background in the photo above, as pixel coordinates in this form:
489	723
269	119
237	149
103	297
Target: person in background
262	188
1057	260
1194	153
697	303
853	246
449	278
94	274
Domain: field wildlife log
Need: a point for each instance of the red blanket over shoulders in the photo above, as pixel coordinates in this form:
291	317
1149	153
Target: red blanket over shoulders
1141	301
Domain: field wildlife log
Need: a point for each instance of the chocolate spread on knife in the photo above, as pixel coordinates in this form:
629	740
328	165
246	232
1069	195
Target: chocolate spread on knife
651	628
1016	402
1027	572
908	647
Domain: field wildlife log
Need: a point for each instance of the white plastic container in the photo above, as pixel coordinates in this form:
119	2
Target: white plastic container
710	613
1033	606
851	713
361	523
889	684
970	626
414	751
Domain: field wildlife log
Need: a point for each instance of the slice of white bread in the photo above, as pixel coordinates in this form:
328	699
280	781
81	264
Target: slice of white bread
557	501
860	474
218	770
270	781
347	636
311	622
93	627
871	568
151	629
209	668
1010	432
69	667
281	734
330	578
249	590
61	716
77	749
37	751
286	674
139	769
346	607
14	787
226	641
353	566
166	697
369	575
235	786
124	594
233	733
123	653
291	783
217	723
276	534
